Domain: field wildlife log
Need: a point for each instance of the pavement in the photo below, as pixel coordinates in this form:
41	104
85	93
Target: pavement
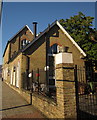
15	106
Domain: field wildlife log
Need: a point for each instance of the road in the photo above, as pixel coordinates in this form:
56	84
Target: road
14	106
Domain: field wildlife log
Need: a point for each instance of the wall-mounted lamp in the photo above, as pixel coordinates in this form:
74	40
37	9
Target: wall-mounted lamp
46	68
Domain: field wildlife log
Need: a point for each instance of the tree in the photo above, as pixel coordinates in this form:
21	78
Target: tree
81	30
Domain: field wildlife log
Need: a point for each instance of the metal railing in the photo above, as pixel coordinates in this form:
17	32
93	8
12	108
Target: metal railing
38	82
86	90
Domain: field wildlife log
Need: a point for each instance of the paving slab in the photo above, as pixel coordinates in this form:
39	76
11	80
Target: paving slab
15	106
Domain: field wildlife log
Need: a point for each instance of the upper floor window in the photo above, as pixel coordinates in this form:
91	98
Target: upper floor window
24	43
53	49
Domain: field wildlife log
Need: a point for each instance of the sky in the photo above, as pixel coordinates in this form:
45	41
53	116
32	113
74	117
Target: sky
15	15
96	14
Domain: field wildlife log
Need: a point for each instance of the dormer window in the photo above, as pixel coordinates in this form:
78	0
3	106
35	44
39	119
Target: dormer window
24	43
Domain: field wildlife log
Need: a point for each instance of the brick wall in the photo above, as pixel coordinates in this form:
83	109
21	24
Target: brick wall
57	36
16	41
65	106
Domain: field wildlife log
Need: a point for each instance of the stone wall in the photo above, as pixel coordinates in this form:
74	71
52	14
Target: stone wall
65	105
66	90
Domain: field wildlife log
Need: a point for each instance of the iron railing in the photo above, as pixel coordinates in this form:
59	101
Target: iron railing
38	82
86	90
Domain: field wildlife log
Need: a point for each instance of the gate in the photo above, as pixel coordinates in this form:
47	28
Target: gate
86	93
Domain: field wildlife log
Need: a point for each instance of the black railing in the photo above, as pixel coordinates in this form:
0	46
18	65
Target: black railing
36	82
86	90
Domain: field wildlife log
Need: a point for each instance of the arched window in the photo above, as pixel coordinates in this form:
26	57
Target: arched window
53	49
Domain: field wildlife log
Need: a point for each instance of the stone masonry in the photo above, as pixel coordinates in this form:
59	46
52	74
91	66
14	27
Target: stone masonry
65	105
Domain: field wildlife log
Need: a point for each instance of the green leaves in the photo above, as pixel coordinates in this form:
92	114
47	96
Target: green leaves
80	28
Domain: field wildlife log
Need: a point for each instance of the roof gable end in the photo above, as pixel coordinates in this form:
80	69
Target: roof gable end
26	26
72	40
64	31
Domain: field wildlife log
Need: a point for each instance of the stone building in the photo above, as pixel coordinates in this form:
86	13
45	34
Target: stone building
51	55
13	57
26	51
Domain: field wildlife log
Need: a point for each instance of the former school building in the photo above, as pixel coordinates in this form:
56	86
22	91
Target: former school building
42	57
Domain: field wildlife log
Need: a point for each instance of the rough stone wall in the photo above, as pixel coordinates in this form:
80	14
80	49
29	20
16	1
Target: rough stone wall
66	89
16	41
37	54
65	105
22	59
6	56
57	36
37	51
15	46
11	65
5	63
23	71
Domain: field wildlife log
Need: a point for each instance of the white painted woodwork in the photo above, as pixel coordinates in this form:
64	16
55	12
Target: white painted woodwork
63	58
11	76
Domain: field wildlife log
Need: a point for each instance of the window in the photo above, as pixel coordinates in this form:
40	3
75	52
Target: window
53	49
62	49
52	82
24	43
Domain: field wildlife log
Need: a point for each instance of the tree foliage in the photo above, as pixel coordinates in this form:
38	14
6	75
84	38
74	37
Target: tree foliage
81	30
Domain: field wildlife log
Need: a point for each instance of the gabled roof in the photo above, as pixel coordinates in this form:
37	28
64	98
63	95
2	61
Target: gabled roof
64	31
26	26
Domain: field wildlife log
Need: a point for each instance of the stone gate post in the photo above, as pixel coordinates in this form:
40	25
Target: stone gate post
66	93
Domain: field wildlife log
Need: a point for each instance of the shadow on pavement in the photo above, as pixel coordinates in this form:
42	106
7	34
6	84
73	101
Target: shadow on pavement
15	107
86	116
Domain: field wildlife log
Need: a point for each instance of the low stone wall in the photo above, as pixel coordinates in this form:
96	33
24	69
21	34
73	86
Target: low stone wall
65	105
48	107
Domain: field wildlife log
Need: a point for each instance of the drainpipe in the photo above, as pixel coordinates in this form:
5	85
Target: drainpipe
27	69
47	59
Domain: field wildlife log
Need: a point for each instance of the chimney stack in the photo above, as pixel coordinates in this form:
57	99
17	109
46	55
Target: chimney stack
35	29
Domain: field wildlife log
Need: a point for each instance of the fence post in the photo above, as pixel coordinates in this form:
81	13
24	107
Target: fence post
27	78
66	93
31	88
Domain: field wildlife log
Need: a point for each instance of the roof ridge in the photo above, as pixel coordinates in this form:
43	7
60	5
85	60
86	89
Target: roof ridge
72	40
65	32
15	36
